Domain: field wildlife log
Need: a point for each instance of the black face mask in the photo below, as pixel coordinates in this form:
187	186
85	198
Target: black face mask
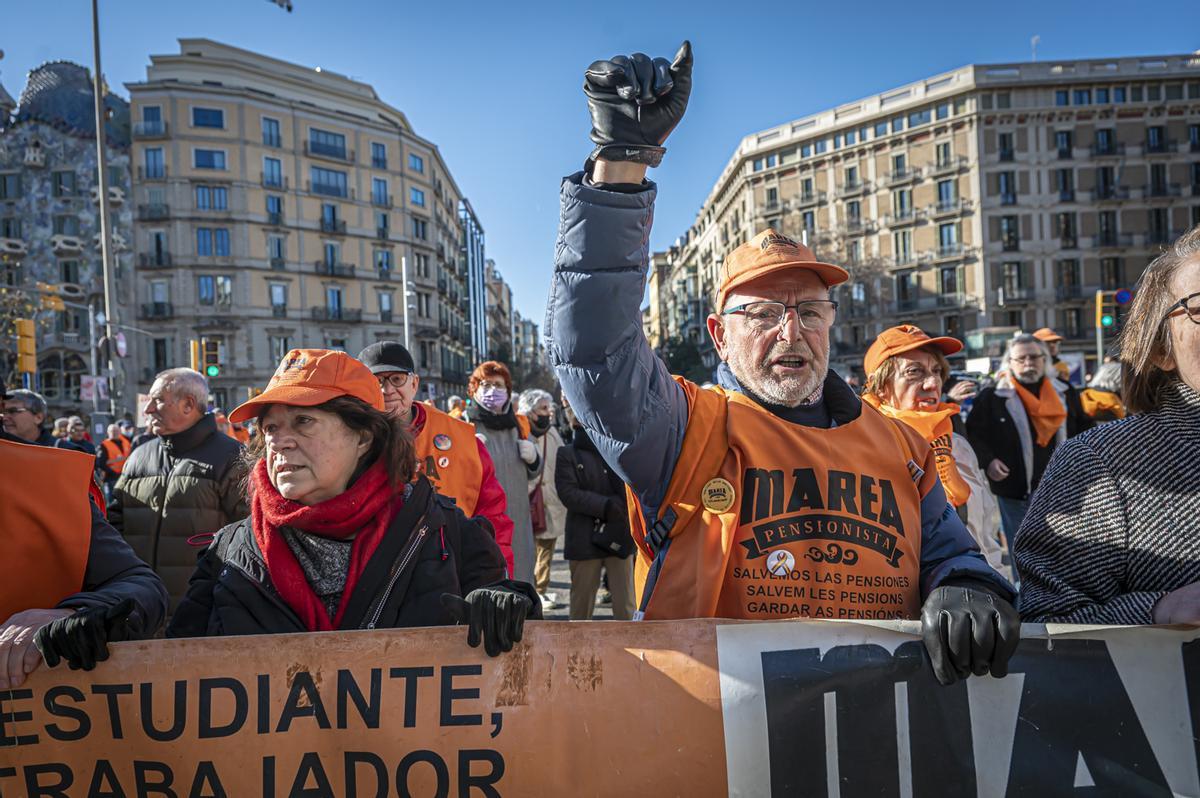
540	423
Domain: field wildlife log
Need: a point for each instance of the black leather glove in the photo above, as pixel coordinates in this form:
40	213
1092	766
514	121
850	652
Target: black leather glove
82	639
968	630
495	613
636	102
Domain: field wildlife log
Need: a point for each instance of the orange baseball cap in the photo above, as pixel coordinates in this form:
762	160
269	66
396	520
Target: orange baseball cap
308	377
1047	335
770	252
905	338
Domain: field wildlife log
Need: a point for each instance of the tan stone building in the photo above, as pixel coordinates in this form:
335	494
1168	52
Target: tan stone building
501	336
974	202
276	205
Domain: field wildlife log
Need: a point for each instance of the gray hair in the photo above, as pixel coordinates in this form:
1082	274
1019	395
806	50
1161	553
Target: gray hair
531	398
454	401
185	382
32	401
1025	338
73	420
1107	378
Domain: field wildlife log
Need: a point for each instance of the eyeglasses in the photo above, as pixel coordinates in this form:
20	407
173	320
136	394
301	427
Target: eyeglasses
497	384
1028	359
395	381
814	314
12	411
1190	304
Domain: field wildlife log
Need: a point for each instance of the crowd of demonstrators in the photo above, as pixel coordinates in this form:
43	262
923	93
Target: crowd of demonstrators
506	434
1016	424
1111	535
25	417
906	370
1058	367
778	415
76	438
342	531
111	455
447	450
596	532
187	481
547	515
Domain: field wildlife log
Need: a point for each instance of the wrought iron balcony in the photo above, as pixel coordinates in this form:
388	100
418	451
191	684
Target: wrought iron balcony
336	226
150	130
382	233
1007	155
274	181
317	149
1106	239
1160	147
152	173
1066	293
1008	198
275	219
279	311
944	167
151	260
381	201
378	163
158	310
1112	149
1162	190
385	316
154	211
335	269
278	264
336	314
898	176
807	199
852	188
1015	295
1110	193
272	140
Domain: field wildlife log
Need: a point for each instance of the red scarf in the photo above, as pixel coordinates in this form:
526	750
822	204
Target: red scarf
367	508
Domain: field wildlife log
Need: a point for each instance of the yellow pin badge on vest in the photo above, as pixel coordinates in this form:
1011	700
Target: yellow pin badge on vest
442	443
717	495
443	462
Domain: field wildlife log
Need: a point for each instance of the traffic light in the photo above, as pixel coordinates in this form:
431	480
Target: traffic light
194	354
26	346
211	357
1106	310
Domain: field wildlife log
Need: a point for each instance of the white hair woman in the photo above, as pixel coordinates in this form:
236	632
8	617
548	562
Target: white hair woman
1111	535
546	510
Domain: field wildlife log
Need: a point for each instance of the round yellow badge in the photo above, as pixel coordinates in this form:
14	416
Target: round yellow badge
717	495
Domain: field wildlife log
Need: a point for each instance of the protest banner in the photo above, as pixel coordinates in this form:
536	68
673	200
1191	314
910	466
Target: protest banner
691	708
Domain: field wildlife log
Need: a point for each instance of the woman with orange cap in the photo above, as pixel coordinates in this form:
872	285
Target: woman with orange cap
342	533
906	370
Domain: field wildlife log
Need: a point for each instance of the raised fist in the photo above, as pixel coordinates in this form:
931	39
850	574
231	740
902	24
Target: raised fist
636	102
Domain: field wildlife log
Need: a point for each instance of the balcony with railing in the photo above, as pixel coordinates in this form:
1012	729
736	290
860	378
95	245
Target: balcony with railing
1160	147
1108	240
153	211
1071	292
858	227
898	177
274	181
947	165
1010	243
1194	145
951	251
1162	237
152	172
275	219
382	233
1068	242
150	130
334	269
1161	190
930	304
807	199
335	226
851	189
318	149
1008	198
949	207
158	310
385	316
381	200
1066	195
378	163
902	217
279	311
1015	295
273	140
336	314
1006	155
1066	153
152	260
278	264
1112	149
1110	193
385	272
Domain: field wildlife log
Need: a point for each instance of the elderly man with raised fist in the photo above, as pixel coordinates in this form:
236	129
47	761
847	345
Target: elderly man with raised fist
778	493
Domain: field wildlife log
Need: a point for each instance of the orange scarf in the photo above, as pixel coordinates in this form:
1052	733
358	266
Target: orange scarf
1097	402
1045	410
934	426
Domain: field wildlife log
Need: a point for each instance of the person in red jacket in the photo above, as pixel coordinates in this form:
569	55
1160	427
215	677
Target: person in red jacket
456	462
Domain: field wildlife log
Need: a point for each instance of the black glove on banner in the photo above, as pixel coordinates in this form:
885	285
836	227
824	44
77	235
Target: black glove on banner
497	614
968	630
82	639
635	103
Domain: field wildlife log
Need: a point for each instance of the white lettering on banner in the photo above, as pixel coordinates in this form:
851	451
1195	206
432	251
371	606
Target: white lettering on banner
1106	707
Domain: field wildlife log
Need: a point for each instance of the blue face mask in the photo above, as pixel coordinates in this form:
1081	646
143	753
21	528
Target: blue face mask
493	399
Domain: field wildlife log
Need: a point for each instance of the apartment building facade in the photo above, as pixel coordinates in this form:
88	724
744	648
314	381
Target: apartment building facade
500	316
973	203
278	207
50	234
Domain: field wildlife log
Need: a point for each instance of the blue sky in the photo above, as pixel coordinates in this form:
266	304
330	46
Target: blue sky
497	84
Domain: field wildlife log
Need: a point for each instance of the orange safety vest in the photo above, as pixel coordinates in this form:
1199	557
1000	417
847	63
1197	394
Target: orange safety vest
44	510
117	453
778	520
935	427
447	452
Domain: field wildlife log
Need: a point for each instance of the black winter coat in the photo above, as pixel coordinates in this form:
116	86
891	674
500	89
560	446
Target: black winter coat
587	487
430	548
993	433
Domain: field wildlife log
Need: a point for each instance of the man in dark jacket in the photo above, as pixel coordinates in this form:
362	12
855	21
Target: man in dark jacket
1015	425
597	528
186	482
24	415
73	584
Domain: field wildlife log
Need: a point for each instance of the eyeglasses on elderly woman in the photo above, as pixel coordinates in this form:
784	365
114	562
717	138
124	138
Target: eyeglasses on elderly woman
1190	305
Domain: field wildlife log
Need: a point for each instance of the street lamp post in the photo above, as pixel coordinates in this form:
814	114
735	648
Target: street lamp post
105	222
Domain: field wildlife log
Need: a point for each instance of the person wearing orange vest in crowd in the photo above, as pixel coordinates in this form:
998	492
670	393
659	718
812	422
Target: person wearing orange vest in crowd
71	583
777	493
1053	341
906	370
448	453
111	455
455	406
1101	399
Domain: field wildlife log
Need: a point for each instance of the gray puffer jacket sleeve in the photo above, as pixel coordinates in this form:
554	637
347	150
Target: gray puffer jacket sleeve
619	389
